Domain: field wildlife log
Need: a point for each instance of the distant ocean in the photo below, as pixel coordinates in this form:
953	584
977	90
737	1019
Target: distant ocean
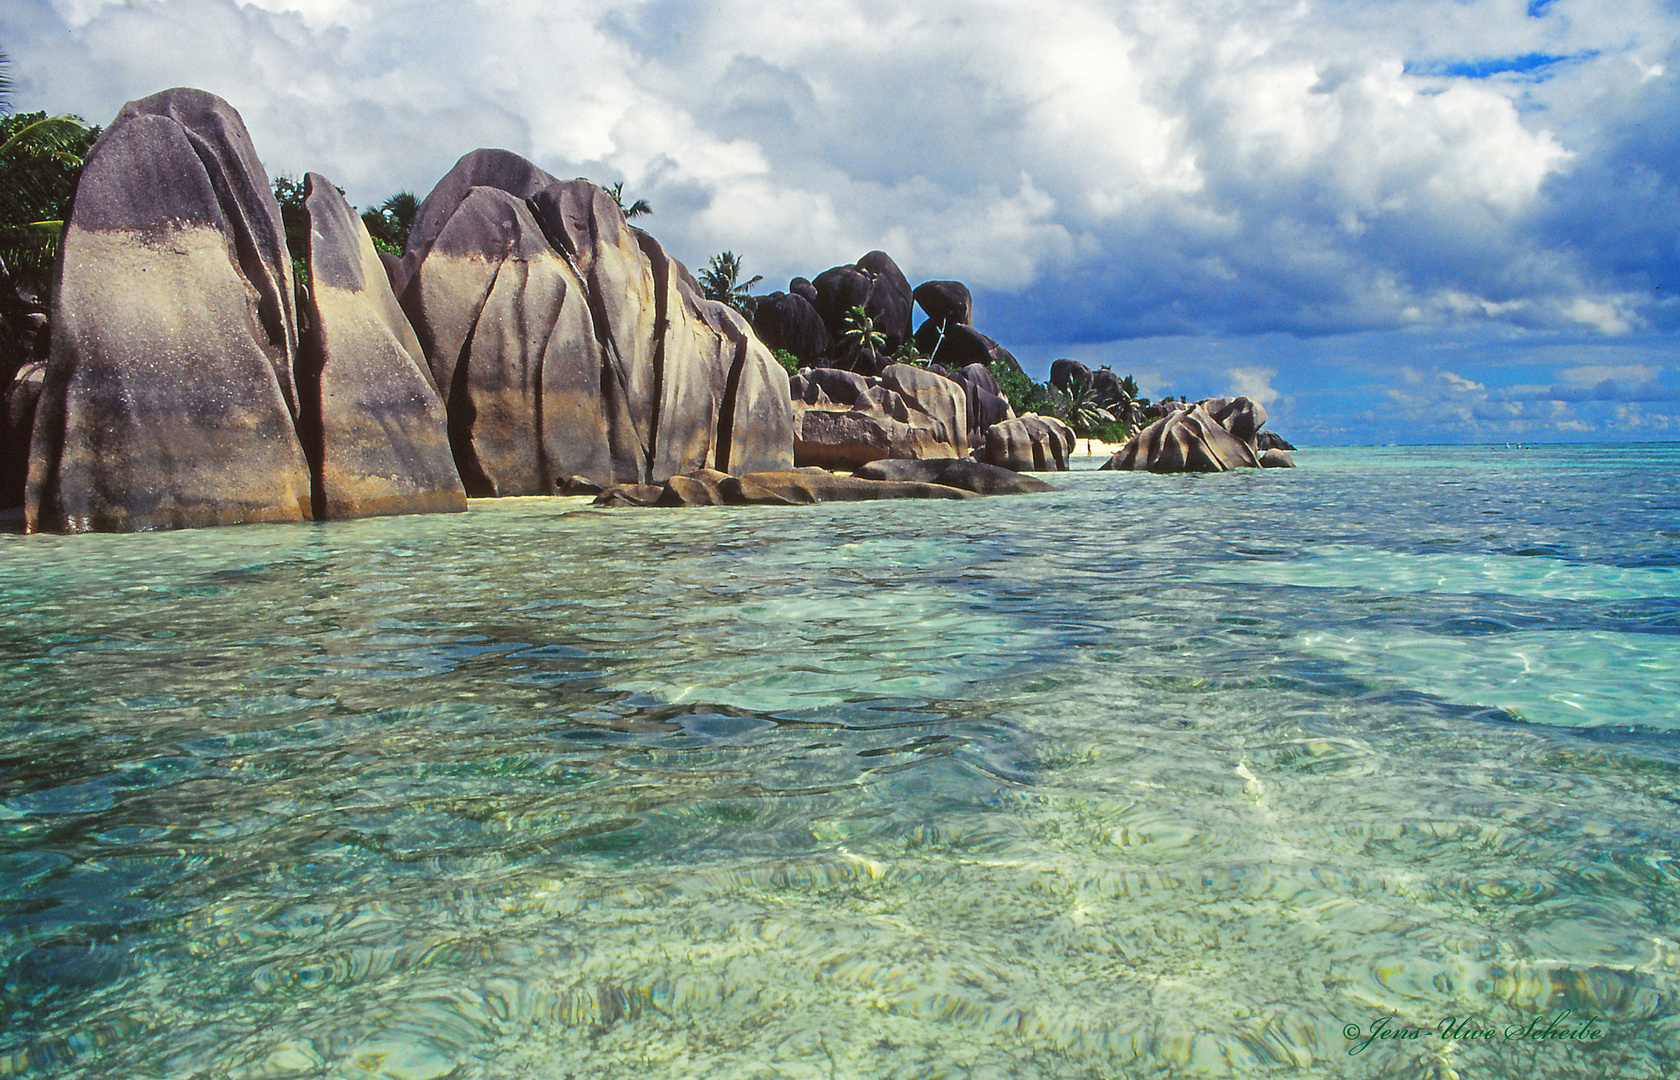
1366	769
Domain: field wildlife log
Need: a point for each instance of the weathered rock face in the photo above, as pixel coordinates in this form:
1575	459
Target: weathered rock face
874	281
1271	440
946	302
572	352
370	420
845	420
790	321
1029	443
933	395
168	401
985	403
498	169
1189	440
505	325
957	346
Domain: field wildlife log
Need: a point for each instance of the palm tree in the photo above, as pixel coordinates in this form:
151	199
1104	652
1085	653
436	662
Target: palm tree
861	333
389	223
1077	406
635	209
720	281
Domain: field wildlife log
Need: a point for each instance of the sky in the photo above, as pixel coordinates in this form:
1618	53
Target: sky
1418	221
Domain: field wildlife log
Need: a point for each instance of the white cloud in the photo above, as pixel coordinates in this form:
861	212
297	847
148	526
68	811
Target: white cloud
1096	170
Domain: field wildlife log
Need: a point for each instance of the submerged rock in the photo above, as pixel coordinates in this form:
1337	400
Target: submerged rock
168	400
371	421
965	473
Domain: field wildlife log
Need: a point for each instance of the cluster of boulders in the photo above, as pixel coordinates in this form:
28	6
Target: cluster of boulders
1212	435
853	406
528	341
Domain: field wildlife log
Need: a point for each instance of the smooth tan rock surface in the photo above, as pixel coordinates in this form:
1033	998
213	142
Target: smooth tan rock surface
1188	440
1029	443
168	399
371	422
572	351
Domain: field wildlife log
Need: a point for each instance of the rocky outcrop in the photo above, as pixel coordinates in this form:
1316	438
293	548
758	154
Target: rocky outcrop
573	353
983	401
370	420
789	321
168	400
1029	443
1194	440
946	302
844	420
501	170
876	283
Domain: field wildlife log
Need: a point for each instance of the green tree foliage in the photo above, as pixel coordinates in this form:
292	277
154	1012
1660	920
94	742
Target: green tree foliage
288	192
861	334
788	360
388	223
40	163
636	209
720	281
1023	393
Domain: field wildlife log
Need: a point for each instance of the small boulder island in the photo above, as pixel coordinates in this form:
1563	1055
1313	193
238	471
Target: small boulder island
1212	435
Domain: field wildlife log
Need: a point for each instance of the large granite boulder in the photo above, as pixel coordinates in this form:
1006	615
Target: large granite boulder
789	321
370	419
844	420
505	324
168	400
1029	443
502	170
947	302
876	283
935	396
1188	440
573	353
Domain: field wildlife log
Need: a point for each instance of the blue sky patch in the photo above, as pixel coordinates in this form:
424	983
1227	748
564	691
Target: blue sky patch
1535	65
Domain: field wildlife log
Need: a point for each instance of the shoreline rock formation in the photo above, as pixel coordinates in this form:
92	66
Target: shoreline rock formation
168	400
1212	435
370	420
571	351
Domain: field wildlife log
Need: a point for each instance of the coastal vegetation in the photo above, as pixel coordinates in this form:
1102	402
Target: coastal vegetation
40	161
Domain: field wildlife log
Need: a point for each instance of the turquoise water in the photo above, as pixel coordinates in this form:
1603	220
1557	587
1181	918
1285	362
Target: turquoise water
1153	776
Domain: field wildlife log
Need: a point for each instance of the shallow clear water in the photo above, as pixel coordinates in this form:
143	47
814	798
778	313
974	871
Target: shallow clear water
1154	776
